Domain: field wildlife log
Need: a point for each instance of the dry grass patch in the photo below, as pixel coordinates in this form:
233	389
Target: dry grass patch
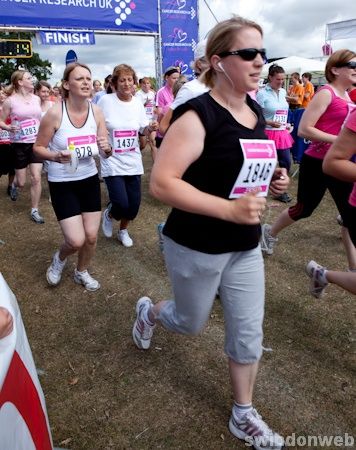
102	393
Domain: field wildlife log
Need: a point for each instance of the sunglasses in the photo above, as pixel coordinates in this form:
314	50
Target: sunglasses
350	65
247	54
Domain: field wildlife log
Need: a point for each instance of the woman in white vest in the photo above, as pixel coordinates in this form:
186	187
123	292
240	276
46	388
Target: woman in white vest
125	118
71	133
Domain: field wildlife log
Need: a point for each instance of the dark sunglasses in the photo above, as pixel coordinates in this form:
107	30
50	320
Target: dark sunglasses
350	64
247	54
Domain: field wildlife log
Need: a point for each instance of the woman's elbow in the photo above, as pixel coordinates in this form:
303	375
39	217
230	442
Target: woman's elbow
155	188
302	132
328	167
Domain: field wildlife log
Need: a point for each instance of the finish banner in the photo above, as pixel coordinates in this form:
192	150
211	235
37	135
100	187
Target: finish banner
111	15
179	29
23	417
50	37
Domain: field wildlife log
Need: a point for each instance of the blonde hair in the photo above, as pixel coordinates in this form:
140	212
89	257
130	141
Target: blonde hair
337	59
14	81
220	38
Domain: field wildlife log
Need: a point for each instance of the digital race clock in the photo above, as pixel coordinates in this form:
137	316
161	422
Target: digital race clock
15	48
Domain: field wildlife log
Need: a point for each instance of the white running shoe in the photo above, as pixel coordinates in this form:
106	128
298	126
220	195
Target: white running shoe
267	241
86	280
36	216
142	331
54	271
124	237
106	224
318	281
254	430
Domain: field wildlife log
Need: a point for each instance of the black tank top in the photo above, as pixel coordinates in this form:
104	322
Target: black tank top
215	172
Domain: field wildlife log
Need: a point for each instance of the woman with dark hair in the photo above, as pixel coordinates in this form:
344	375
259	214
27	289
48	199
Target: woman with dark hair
23	109
321	123
211	237
295	92
70	134
272	99
125	118
164	97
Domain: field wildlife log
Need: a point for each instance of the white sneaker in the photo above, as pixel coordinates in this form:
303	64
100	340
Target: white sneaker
251	428
267	241
106	224
54	271
318	282
142	331
124	237
86	280
36	216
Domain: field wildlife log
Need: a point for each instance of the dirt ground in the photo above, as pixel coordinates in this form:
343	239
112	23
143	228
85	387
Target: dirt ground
102	393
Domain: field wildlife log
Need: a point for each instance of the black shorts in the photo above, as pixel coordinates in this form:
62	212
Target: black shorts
72	198
24	155
7	160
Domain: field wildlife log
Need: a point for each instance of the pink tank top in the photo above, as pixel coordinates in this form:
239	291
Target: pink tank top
330	122
28	114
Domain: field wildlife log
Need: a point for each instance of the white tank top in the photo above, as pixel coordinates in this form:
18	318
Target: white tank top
87	167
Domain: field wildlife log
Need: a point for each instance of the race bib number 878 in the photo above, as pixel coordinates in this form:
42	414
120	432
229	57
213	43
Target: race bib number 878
260	160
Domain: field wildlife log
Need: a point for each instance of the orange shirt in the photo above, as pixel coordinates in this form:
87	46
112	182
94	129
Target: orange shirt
308	88
297	89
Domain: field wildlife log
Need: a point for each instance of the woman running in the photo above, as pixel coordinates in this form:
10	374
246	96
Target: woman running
321	123
7	156
339	162
71	133
275	110
23	109
210	152
125	118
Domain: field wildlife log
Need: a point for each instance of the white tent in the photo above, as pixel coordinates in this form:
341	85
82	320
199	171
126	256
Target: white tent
297	64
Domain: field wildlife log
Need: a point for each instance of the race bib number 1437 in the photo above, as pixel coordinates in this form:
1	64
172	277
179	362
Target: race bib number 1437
260	160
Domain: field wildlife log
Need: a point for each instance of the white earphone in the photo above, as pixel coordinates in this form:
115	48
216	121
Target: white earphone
221	66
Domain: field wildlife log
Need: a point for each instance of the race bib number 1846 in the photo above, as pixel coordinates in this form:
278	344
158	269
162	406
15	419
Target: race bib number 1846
260	160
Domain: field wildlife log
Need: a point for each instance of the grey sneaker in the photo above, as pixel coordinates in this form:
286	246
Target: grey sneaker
254	430
36	217
160	227
54	271
142	331
106	224
85	279
318	282
14	193
267	241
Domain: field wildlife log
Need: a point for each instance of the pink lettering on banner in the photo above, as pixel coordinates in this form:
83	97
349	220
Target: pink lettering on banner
259	150
281	111
242	190
82	140
125	133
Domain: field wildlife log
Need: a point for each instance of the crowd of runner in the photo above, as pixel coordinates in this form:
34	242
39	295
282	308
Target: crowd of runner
197	132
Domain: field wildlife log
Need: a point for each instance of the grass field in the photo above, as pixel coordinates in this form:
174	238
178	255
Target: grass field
102	393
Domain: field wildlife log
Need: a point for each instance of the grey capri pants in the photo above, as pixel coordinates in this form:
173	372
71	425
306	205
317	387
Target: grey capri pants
196	277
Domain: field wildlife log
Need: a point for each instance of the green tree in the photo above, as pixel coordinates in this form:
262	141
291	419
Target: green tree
39	68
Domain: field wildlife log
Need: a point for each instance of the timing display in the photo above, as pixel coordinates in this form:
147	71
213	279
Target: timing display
15	48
